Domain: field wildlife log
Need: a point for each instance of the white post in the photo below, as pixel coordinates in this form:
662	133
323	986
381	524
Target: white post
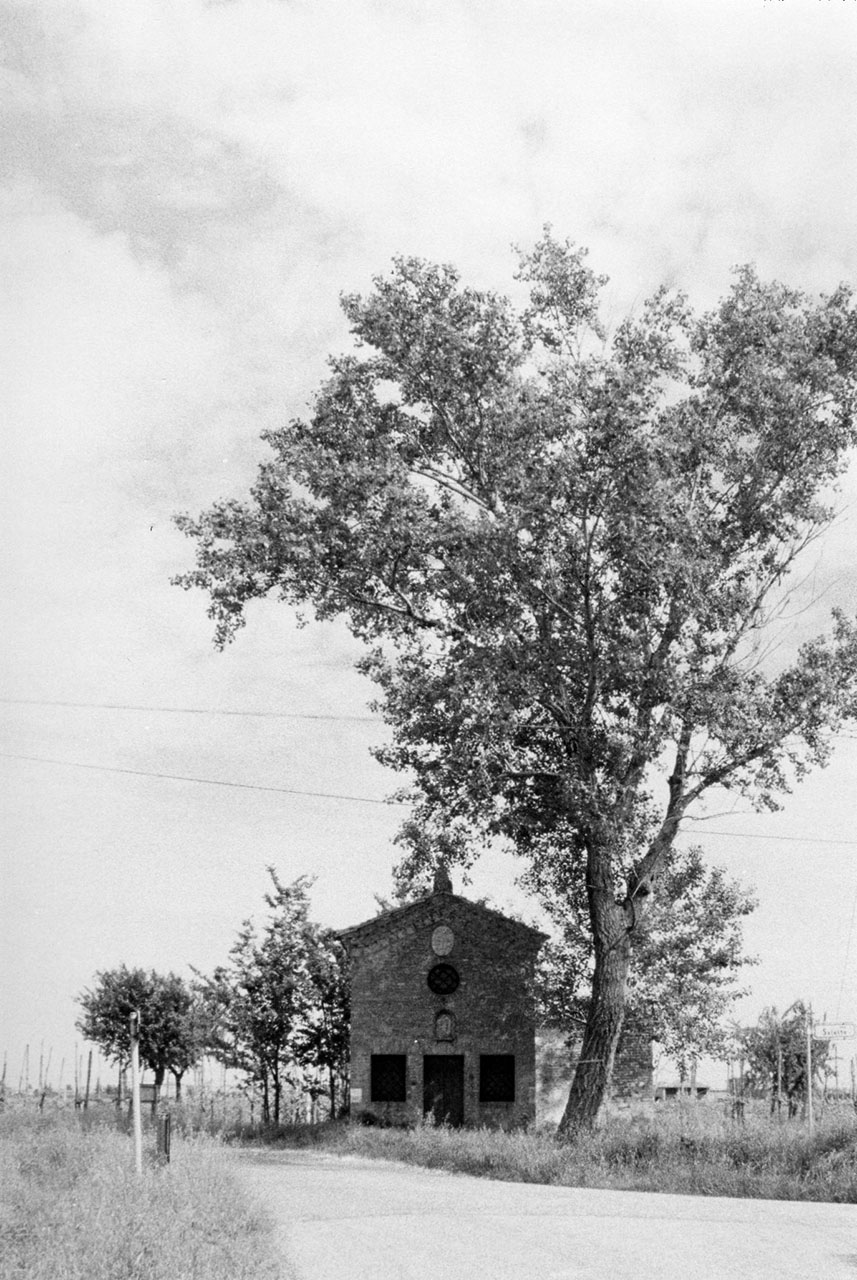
809	1114
135	1092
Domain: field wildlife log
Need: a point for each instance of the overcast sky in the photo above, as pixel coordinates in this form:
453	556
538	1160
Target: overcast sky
187	187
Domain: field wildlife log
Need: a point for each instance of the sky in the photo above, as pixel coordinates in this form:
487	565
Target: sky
185	189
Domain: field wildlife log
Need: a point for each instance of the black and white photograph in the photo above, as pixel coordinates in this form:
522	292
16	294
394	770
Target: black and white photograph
429	685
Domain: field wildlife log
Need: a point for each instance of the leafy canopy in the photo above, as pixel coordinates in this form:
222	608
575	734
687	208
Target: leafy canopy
685	959
776	1055
562	549
279	1007
172	1025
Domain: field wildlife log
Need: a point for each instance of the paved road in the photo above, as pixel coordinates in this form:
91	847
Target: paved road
343	1218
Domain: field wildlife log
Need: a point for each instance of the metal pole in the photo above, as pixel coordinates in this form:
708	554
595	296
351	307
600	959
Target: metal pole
137	1120
809	1114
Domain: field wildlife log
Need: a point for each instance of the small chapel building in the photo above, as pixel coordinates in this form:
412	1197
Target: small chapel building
443	1014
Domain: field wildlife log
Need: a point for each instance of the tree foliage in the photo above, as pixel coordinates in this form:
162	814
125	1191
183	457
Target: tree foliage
172	1023
685	961
279	1006
776	1055
561	549
322	1037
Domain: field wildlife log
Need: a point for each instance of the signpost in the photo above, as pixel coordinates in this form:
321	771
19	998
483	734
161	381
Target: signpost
821	1031
834	1030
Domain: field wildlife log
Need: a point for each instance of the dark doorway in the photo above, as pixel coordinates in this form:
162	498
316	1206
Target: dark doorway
443	1088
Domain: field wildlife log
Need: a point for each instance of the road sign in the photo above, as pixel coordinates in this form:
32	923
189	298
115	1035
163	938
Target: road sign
833	1030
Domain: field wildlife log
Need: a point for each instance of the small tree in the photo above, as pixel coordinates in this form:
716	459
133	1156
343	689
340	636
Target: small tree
776	1053
322	1037
685	960
172	1024
280	1005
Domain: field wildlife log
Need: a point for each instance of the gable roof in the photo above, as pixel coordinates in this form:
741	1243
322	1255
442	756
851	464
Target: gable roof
389	920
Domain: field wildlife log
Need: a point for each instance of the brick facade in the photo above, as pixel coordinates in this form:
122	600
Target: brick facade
632	1081
463	1051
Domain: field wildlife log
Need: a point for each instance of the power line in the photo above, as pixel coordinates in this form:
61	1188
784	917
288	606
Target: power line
225	711
757	835
210	782
186	711
332	795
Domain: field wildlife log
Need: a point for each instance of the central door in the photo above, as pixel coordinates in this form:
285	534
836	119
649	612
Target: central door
443	1088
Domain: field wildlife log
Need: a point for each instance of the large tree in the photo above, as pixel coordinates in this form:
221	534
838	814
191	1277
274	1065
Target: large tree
562	550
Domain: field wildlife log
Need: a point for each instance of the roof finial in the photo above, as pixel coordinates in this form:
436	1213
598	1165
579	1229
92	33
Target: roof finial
442	882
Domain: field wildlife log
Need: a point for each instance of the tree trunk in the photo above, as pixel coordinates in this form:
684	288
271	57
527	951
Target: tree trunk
177	1076
159	1074
275	1071
591	1081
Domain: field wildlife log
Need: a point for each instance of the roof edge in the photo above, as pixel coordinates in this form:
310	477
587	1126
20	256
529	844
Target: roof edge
397	914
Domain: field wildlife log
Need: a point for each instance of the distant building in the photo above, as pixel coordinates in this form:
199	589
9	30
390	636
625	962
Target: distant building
679	1089
443	1014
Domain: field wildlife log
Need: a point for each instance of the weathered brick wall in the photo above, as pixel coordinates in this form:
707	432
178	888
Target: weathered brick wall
633	1072
394	1010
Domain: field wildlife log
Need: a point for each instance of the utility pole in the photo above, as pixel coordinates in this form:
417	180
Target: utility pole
809	1115
137	1118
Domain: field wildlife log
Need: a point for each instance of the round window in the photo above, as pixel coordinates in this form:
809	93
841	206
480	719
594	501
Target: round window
443	979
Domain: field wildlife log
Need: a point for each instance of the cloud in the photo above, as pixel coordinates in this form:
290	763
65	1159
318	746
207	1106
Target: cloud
673	138
189	186
164	184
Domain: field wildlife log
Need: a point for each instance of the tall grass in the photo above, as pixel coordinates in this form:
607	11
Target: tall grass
692	1151
73	1208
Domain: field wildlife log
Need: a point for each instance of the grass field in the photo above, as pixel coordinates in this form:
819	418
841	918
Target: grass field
690	1150
73	1208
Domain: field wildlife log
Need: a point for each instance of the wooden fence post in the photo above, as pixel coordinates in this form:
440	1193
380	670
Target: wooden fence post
134	1022
164	1137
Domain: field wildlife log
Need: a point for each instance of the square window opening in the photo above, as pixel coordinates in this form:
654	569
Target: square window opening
497	1077
389	1077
